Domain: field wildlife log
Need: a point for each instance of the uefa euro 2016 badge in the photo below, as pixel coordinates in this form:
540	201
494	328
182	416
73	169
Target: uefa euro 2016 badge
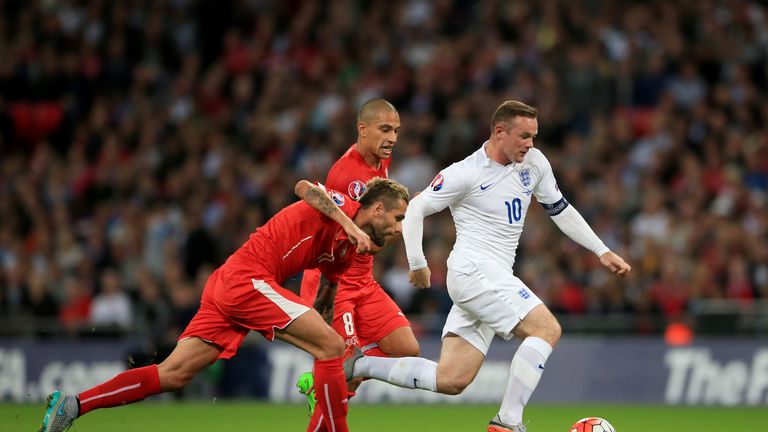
437	183
355	189
337	198
525	177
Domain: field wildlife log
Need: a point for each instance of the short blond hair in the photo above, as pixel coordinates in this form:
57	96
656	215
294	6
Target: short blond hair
384	190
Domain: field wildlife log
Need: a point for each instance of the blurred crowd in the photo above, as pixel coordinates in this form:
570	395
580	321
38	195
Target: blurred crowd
142	141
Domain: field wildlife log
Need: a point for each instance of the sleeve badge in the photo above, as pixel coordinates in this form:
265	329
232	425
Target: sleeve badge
355	189
437	183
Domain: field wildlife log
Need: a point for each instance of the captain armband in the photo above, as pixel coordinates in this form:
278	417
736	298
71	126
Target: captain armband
556	208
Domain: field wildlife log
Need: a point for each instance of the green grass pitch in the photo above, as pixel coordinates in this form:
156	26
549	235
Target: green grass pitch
259	416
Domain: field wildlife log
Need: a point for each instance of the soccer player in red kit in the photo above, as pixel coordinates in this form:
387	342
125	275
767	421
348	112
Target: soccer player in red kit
244	294
363	314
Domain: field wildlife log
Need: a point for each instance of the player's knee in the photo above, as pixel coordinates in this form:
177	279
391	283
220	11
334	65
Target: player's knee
552	333
450	382
549	330
332	346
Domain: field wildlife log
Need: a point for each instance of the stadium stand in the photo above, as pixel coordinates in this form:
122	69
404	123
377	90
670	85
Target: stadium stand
141	142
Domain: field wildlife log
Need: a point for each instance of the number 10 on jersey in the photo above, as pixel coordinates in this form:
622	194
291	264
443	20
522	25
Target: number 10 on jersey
514	210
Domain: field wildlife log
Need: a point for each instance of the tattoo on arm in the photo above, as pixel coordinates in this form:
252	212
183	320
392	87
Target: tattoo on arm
320	201
326	296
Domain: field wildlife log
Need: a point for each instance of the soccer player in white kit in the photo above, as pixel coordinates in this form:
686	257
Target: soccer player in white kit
488	194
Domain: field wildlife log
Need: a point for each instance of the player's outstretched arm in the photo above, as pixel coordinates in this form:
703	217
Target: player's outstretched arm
574	226
316	197
615	263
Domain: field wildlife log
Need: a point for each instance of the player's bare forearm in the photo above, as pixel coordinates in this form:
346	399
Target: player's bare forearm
326	296
317	198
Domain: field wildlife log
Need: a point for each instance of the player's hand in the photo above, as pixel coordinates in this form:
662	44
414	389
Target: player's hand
420	278
615	263
359	238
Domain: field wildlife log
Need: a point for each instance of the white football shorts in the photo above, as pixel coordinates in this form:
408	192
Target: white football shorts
488	300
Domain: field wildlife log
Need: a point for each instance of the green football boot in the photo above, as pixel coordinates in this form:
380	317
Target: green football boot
306	385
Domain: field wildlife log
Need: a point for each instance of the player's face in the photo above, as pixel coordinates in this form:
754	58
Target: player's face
378	137
518	138
387	224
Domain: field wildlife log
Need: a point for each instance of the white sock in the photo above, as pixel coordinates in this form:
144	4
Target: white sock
408	372
524	374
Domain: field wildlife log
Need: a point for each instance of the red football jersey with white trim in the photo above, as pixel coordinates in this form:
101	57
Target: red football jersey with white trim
298	237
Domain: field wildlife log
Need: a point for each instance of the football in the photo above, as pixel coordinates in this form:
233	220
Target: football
592	424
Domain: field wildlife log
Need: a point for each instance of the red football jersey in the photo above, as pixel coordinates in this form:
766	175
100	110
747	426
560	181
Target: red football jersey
298	237
350	173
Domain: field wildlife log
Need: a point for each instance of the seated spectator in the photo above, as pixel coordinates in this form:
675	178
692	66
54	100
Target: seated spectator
111	308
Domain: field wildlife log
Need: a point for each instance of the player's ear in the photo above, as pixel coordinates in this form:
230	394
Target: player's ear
498	129
378	208
361	129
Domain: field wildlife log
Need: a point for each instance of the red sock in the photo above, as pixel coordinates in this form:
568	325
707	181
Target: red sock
316	422
126	387
331	394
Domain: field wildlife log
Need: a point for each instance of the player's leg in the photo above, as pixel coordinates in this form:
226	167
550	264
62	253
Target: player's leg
400	342
257	302
369	318
188	358
310	333
540	332
502	303
465	343
344	325
506	305
408	372
382	328
459	363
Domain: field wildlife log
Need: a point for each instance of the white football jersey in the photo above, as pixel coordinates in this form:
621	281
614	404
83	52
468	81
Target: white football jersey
489	202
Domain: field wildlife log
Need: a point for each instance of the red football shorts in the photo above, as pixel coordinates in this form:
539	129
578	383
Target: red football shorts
363	316
236	301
